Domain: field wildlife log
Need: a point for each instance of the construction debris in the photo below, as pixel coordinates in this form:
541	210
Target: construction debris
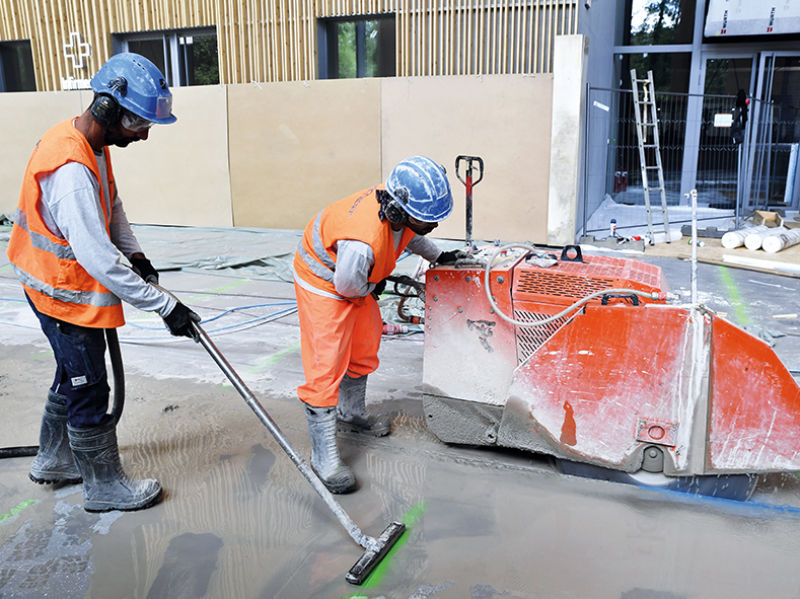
766	217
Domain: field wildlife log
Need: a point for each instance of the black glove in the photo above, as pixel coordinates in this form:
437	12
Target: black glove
179	322
143	268
451	256
379	287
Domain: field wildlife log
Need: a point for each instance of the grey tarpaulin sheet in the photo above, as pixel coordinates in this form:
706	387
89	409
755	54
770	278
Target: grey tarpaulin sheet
258	253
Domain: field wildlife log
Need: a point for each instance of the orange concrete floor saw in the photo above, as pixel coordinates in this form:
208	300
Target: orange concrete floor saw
582	358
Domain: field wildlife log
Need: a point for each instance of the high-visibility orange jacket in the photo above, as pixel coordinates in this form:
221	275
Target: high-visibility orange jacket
57	285
354	217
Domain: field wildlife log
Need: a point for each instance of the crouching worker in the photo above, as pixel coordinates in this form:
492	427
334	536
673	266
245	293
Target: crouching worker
340	267
68	246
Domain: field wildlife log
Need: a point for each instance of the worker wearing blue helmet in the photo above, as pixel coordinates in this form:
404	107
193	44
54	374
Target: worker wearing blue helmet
340	267
69	247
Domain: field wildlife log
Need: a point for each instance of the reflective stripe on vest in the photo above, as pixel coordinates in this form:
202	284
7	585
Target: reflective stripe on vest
40	242
91	298
328	267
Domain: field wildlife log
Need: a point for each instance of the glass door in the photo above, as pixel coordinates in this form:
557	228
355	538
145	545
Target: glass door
774	177
719	150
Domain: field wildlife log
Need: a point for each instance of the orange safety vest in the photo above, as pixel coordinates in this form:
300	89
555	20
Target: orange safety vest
354	217
45	264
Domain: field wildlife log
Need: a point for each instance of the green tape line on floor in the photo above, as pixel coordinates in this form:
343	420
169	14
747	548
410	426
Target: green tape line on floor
733	293
375	578
211	293
16	510
268	361
276	357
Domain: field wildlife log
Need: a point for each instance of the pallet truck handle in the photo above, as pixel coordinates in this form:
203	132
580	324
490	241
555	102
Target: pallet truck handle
469	181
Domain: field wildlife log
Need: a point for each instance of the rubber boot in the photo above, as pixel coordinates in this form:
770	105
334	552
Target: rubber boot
105	485
54	462
325	458
352	409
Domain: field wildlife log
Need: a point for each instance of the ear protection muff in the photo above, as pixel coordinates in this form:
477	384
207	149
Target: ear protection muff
105	107
392	208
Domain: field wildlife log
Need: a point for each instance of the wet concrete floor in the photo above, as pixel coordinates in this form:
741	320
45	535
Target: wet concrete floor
238	520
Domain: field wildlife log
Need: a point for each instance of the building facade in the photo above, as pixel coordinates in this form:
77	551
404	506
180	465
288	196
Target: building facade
49	45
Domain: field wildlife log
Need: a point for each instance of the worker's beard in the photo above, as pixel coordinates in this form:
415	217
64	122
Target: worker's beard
115	139
116	136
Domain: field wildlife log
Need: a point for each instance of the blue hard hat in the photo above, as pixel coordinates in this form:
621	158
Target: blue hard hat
137	85
421	188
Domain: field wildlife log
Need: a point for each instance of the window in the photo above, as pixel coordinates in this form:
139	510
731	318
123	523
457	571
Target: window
16	67
363	47
654	22
670	70
185	56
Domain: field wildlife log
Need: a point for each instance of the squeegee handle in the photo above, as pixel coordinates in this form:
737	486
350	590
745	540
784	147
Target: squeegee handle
344	519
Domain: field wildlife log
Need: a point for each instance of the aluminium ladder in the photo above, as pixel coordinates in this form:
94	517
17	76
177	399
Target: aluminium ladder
644	108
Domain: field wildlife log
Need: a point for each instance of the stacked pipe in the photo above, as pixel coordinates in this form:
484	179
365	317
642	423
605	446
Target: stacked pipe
735	239
781	240
754	239
761	237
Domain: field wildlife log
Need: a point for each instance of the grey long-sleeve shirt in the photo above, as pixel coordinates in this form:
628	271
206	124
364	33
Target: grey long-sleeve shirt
354	259
71	210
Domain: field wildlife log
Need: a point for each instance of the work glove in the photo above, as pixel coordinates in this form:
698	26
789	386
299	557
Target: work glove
179	322
143	268
379	287
452	256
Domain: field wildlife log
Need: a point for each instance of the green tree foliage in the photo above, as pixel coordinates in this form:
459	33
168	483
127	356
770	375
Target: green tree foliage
206	60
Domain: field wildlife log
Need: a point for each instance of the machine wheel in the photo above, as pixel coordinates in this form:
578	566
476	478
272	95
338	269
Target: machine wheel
738	487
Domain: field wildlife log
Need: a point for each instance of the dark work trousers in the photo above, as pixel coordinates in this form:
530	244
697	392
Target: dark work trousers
81	376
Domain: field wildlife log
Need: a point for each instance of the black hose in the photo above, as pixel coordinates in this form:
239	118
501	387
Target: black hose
119	374
119	396
19	452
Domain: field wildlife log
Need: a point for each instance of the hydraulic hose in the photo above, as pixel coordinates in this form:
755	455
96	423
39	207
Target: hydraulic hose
119	396
118	372
537	323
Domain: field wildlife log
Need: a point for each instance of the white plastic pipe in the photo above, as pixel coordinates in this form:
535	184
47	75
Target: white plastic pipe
784	239
753	241
735	239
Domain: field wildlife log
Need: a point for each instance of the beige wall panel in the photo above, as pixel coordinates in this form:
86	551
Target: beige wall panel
296	147
180	174
504	119
24	117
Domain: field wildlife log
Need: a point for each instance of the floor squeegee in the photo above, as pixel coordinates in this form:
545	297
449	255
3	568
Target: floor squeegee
374	548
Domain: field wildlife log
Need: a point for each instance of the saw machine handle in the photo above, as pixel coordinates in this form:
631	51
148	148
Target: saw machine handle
631	296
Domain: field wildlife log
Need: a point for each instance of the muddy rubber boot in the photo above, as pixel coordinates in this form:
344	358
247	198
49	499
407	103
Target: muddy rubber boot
352	410
54	462
105	485
325	458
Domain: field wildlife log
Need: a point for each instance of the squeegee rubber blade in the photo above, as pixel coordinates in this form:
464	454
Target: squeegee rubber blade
371	558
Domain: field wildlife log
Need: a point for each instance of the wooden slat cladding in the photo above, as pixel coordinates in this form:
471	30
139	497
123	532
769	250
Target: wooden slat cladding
276	40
